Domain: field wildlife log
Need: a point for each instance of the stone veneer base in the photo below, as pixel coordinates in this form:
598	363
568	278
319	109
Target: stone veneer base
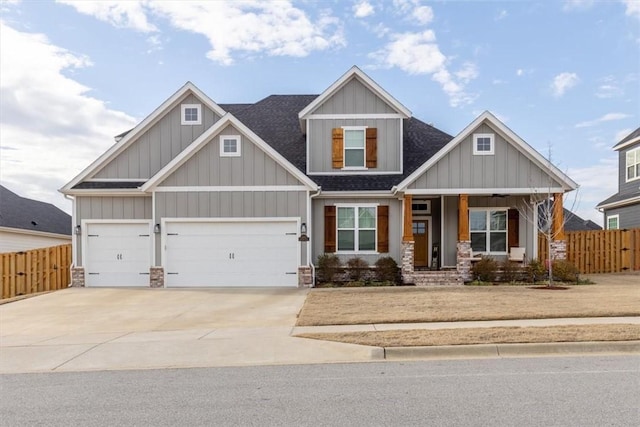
407	258
156	277
305	277
463	259
77	277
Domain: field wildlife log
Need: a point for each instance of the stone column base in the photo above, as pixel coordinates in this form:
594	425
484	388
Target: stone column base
407	260
77	277
558	249
463	260
305	277
156	277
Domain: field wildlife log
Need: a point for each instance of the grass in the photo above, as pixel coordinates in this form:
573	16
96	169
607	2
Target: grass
353	306
425	337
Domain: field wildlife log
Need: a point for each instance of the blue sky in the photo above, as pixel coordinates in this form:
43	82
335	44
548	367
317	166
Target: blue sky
564	75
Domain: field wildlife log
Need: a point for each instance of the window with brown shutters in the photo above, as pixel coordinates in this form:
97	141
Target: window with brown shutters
354	147
372	147
383	229
357	228
329	229
337	148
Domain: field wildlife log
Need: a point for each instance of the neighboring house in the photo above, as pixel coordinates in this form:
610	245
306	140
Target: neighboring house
622	210
572	222
28	224
202	194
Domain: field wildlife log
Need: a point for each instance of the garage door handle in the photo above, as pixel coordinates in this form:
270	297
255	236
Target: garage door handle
172	234
144	273
290	234
93	235
172	273
288	272
143	235
94	273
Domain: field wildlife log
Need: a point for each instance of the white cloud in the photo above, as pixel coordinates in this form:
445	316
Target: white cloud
51	126
563	82
632	8
519	72
597	182
418	53
363	9
606	118
251	26
423	14
577	4
122	14
501	15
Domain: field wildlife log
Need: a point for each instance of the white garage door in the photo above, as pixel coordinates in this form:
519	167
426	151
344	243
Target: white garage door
261	253
117	254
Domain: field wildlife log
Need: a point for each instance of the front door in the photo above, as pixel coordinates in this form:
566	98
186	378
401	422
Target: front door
421	239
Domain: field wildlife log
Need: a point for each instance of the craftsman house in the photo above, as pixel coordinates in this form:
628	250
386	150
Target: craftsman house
207	194
622	210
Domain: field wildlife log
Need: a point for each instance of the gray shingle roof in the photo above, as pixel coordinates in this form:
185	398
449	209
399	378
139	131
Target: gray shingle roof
28	214
104	185
632	135
619	197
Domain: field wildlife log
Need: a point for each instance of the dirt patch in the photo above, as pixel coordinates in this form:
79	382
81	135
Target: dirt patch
467	336
355	306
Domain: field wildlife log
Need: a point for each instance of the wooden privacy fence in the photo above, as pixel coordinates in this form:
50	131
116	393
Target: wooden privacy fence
38	270
600	251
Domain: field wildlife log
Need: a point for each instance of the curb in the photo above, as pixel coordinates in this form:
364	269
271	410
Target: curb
483	351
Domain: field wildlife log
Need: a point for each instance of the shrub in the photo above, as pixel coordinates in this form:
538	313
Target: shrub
485	270
510	271
327	268
387	270
356	268
564	270
536	270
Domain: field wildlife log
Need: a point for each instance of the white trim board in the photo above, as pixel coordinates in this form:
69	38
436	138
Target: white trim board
518	142
625	202
485	191
355	116
37	233
228	188
140	128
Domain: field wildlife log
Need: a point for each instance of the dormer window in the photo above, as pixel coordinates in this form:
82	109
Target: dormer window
483	144
354	147
191	114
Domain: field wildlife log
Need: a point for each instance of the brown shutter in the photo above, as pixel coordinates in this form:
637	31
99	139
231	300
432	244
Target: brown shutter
383	229
372	147
337	148
514	229
329	229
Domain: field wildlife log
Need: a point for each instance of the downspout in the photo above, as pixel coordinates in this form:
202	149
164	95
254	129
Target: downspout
310	234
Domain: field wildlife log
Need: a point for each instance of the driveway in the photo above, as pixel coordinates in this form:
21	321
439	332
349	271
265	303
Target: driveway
97	329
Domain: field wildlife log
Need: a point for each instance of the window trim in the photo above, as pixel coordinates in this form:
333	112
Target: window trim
183	119
364	147
238	151
356	229
617	218
487	232
492	144
636	163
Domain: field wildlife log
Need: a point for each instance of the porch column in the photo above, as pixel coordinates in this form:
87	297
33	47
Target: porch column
558	238
463	253
408	245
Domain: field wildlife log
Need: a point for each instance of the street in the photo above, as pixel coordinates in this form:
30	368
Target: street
567	391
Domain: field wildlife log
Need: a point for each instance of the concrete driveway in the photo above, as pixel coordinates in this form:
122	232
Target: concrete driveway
96	329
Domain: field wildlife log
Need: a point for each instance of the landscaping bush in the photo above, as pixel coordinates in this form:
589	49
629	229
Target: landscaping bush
485	270
387	270
357	267
564	271
536	270
327	268
510	271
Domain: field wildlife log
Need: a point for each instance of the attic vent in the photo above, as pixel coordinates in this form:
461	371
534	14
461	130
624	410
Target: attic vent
34	223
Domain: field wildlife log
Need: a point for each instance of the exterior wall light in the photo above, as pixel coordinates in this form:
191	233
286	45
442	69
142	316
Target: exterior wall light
77	230
156	229
303	233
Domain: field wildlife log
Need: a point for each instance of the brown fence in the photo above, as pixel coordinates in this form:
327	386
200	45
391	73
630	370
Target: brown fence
600	251
34	271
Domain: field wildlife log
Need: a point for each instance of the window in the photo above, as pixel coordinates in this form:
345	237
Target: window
354	147
633	164
421	207
613	222
191	114
356	228
483	144
230	146
488	230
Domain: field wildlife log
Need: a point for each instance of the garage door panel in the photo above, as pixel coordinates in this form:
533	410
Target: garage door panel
231	254
118	254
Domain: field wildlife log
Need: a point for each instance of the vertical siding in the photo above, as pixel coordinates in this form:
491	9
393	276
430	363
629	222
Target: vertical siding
388	142
395	224
253	167
158	145
354	98
118	208
254	204
450	238
507	168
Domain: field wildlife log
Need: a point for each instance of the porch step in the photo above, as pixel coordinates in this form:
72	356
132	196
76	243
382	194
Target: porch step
434	278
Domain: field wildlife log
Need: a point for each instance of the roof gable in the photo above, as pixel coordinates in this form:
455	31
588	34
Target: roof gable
489	119
632	138
355	73
205	138
130	136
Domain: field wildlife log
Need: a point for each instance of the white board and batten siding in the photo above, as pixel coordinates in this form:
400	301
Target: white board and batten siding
117	253
231	252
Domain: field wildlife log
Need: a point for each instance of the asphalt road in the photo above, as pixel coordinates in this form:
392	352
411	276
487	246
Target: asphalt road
586	391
